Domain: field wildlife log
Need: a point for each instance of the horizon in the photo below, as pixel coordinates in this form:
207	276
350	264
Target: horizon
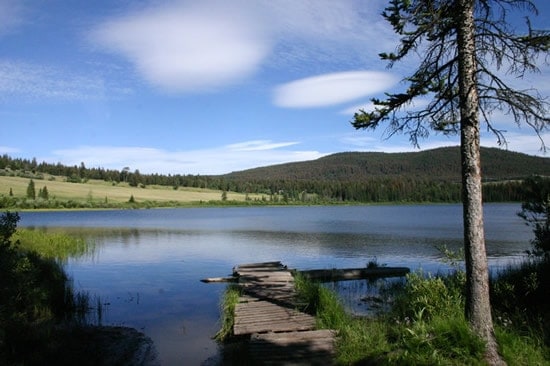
208	88
268	166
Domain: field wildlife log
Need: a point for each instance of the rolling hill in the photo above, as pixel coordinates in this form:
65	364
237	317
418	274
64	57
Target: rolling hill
423	176
442	164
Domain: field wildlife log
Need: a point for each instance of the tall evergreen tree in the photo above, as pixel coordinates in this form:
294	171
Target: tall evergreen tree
465	46
31	190
44	194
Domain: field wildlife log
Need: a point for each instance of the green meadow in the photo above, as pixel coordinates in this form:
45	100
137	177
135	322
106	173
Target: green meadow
102	193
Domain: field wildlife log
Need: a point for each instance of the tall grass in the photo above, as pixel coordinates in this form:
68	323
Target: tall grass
57	245
229	301
522	311
425	326
359	339
36	296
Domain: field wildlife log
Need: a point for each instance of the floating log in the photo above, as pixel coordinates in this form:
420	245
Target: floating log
326	275
345	274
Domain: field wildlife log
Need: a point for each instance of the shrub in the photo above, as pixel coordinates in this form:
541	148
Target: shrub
429	296
535	210
35	294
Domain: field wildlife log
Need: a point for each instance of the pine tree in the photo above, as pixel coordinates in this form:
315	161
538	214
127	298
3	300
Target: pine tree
31	190
44	194
466	47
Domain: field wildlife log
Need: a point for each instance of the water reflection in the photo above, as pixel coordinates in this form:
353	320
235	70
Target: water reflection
146	264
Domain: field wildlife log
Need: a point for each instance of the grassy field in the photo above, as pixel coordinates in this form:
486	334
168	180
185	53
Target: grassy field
101	191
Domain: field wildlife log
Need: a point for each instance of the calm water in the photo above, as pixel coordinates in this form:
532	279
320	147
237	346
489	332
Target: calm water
147	264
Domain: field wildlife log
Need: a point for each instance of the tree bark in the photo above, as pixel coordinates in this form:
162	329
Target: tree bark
478	306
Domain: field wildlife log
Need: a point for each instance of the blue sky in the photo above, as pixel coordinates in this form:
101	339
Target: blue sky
203	87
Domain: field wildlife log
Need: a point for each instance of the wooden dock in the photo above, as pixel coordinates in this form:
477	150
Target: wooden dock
267	312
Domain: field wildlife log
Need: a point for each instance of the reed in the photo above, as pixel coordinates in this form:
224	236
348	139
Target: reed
57	245
227	306
36	296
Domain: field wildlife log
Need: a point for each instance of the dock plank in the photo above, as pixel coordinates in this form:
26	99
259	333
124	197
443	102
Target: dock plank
314	347
280	334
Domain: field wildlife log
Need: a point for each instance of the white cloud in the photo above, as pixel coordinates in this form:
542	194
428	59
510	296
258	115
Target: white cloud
332	89
527	143
258	145
217	160
399	143
369	106
184	48
350	111
517	140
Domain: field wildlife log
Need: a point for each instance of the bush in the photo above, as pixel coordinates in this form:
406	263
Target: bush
535	210
430	296
519	297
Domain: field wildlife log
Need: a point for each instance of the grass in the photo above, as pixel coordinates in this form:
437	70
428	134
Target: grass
36	296
425	326
99	191
229	301
55	245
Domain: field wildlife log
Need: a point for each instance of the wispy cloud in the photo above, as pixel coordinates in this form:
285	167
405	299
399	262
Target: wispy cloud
28	81
369	106
258	145
517	140
332	89
399	143
216	160
526	142
350	111
11	15
332	32
200	46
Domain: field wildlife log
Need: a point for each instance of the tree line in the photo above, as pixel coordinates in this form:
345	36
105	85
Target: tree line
393	188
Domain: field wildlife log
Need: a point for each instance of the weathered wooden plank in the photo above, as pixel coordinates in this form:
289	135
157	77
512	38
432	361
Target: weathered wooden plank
311	345
261	312
263	316
256	304
293	348
295	323
271	327
265	277
290	324
277	317
280	334
261	270
261	264
274	295
272	318
297	336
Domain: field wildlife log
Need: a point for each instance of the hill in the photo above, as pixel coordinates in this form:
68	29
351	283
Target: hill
423	176
442	164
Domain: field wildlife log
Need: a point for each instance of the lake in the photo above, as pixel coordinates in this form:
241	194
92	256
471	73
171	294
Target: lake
146	265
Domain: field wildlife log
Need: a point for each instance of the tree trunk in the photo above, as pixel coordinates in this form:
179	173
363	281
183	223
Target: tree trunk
478	306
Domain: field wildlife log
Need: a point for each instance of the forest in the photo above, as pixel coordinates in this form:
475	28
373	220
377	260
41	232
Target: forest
423	176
